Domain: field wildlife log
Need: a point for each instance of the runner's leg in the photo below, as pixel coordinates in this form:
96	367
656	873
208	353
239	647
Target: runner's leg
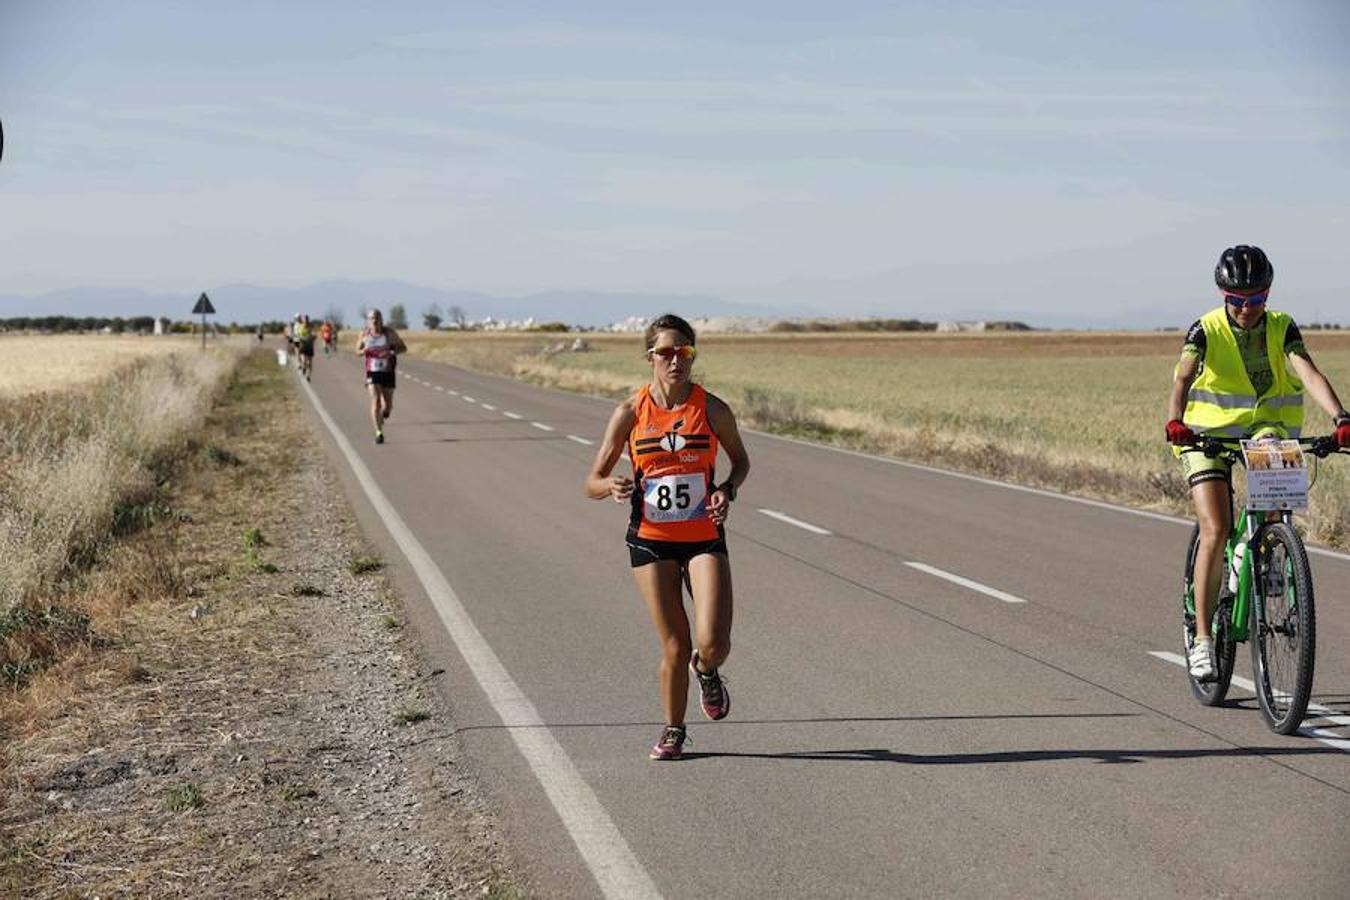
660	585
710	583
375	416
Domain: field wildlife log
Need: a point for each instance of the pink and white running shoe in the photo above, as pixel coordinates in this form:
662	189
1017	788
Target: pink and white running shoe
671	744
713	695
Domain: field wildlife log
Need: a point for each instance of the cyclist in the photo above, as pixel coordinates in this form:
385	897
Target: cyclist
379	346
303	333
326	334
1242	374
671	429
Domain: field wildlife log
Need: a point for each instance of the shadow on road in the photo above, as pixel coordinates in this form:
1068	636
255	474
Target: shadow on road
1022	756
822	720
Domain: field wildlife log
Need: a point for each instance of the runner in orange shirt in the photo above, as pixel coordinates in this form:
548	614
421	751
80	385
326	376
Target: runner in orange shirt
671	429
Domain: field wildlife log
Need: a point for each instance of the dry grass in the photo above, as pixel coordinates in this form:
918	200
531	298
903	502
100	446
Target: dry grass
83	466
1079	412
42	363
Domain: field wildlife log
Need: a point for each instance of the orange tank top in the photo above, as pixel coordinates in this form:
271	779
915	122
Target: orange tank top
674	452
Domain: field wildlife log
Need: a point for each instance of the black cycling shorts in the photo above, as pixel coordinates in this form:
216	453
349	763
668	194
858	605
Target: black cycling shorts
381	379
642	551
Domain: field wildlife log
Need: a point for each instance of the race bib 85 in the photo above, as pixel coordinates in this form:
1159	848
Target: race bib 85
675	498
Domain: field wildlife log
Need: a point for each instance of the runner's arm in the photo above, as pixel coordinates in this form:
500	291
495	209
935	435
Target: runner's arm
395	342
600	483
1316	384
723	422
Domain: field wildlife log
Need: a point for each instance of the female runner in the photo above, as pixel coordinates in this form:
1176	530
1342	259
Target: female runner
379	345
671	429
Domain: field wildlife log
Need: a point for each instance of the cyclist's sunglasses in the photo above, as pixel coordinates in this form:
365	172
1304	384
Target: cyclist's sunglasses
1241	300
686	352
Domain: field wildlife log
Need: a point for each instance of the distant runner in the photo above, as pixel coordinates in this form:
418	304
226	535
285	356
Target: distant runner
1242	374
326	335
671	429
303	334
380	346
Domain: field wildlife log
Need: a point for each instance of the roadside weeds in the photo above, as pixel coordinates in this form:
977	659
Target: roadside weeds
245	714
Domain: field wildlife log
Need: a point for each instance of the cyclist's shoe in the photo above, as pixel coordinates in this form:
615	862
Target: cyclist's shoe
712	688
670	745
1201	660
379	437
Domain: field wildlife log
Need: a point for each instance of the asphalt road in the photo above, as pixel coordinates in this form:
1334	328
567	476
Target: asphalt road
894	733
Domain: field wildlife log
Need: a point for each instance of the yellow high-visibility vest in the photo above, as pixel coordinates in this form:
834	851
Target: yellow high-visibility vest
1222	400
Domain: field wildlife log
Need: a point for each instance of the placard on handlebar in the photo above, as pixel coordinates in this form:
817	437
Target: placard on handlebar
1277	474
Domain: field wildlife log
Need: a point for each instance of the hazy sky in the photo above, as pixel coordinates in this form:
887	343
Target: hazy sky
889	156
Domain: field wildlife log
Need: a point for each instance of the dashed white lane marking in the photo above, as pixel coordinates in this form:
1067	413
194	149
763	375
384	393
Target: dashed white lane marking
966	583
452	392
612	862
541	426
784	517
1316	710
511	415
439	388
490	407
467	399
580	440
1008	485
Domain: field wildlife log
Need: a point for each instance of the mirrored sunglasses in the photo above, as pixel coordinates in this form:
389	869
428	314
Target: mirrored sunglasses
685	352
1241	300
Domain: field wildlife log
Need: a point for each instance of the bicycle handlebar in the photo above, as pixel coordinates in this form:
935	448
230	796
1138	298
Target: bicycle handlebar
1214	447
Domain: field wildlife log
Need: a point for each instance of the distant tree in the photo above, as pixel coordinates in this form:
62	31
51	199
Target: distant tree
458	317
432	317
334	314
398	316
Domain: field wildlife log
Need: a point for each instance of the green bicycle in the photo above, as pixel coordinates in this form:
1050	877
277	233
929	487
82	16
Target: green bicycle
1267	595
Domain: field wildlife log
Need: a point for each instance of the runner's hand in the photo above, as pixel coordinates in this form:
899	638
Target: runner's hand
1178	433
620	488
718	507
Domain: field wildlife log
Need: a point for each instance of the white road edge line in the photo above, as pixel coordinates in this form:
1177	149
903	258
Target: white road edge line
541	426
1317	710
784	517
511	415
966	583
489	406
611	861
580	440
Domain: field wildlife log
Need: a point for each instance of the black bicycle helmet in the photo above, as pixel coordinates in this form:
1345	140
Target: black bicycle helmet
1243	270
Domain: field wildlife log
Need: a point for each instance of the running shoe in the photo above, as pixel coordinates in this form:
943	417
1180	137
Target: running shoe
671	744
379	437
1201	661
712	689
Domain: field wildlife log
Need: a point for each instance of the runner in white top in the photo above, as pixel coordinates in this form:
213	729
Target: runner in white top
379	347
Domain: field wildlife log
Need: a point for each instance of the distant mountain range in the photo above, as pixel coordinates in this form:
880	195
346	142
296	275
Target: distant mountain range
254	303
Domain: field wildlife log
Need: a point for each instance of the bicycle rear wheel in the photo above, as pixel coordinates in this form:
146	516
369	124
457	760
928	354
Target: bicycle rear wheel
1284	628
1209	693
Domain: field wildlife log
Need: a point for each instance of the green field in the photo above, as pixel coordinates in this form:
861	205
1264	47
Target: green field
1075	412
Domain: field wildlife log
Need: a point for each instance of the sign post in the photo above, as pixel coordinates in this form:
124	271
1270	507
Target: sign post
204	307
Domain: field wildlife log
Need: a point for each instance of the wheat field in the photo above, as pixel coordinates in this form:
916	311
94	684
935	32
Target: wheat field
35	363
1078	412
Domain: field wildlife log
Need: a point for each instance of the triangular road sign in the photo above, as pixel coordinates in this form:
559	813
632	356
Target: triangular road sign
203	306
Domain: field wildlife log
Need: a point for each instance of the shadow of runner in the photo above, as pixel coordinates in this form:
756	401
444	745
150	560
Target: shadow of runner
1021	756
822	720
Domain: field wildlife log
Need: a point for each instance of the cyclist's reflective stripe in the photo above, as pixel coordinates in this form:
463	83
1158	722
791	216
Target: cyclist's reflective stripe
1224	401
1286	400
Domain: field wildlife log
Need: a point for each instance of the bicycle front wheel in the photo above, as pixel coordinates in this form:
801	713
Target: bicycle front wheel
1209	693
1284	628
